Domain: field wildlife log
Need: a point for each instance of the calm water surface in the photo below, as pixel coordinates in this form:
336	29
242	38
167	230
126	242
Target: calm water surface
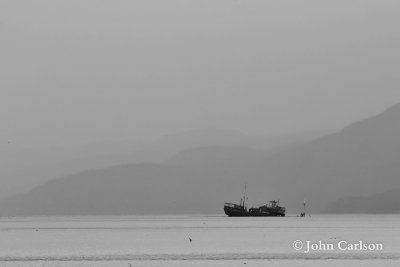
200	241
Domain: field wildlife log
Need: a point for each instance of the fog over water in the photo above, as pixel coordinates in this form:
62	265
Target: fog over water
77	72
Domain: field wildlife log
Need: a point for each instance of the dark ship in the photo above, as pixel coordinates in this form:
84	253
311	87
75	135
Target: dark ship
240	210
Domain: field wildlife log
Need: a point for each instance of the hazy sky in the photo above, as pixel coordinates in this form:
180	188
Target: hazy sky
78	71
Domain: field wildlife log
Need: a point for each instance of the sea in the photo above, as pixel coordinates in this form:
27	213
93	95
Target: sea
201	240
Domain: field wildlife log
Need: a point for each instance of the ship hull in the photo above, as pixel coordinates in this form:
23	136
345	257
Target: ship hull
234	212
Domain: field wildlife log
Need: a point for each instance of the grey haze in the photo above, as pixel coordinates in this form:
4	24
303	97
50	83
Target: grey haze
85	85
77	72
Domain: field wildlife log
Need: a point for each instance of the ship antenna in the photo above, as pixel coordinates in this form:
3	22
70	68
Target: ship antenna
304	208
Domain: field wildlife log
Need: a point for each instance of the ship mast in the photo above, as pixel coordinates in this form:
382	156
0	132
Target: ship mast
244	197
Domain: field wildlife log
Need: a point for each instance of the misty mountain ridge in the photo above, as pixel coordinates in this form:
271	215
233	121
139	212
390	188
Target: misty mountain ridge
361	159
21	169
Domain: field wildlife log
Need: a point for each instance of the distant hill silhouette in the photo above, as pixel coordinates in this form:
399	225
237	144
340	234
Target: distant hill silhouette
21	169
362	159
